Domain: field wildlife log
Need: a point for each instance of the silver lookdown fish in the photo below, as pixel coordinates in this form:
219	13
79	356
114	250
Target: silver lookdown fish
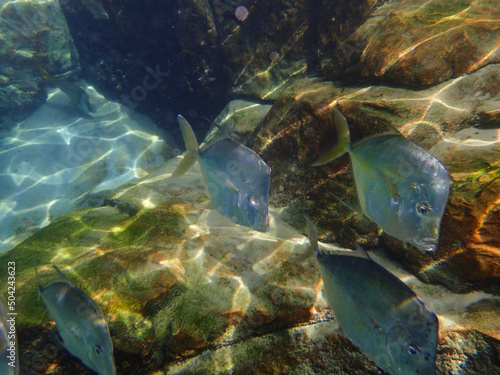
378	312
96	9
9	359
80	323
77	96
401	186
237	178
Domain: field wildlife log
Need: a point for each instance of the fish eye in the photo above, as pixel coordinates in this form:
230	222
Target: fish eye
254	200
422	208
413	350
98	350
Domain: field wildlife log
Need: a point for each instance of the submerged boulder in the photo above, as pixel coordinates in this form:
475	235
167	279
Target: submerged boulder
61	158
32	34
185	290
441	119
418	43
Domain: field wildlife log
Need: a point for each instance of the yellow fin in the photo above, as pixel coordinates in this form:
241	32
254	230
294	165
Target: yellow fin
191	146
344	140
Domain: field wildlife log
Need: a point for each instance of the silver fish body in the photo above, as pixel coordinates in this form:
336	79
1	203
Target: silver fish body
379	313
96	9
237	178
81	325
76	95
9	358
401	186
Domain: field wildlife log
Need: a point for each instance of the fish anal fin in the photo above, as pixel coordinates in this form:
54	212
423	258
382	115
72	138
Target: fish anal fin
312	233
57	340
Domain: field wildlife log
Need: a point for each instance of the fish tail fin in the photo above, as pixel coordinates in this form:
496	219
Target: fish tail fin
191	146
312	233
344	140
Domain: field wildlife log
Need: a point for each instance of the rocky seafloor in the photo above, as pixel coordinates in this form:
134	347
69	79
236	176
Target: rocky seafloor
187	291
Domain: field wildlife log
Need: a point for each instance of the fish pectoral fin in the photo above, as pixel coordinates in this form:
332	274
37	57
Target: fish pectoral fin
57	340
186	163
77	334
228	183
357	210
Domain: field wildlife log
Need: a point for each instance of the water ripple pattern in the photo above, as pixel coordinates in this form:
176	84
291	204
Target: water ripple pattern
60	159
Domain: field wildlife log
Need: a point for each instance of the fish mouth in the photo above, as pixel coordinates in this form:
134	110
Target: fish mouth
262	228
427	244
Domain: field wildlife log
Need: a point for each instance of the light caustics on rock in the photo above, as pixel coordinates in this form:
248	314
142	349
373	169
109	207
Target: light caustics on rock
60	159
456	23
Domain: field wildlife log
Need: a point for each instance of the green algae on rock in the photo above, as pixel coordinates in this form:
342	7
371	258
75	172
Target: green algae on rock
170	285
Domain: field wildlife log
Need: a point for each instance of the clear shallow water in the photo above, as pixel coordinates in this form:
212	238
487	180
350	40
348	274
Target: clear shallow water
60	159
184	289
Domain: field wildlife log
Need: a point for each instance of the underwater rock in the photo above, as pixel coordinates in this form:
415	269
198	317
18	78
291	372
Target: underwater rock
266	49
468	352
60	159
159	58
418	43
173	280
32	33
185	290
441	119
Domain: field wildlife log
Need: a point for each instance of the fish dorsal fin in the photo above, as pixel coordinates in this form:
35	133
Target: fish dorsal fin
219	126
343	140
186	163
191	146
61	275
188	134
360	251
312	233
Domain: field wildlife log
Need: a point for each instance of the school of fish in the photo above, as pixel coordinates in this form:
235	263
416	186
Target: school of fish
400	186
